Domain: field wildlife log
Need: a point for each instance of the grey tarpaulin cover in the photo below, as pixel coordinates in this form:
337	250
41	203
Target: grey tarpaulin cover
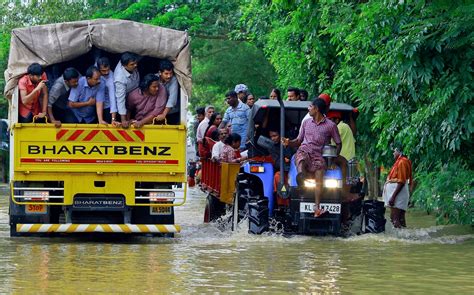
55	43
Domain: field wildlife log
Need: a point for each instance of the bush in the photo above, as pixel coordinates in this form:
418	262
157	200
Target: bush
448	192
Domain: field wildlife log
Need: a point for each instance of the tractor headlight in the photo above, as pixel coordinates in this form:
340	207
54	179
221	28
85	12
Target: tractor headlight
310	183
332	183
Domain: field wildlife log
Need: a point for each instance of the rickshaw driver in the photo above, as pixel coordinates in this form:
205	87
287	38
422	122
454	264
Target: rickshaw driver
314	134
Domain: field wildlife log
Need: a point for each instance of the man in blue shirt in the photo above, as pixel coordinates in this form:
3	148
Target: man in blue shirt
107	109
82	99
236	116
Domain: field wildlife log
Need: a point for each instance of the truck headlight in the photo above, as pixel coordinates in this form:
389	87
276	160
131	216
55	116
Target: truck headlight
310	183
332	183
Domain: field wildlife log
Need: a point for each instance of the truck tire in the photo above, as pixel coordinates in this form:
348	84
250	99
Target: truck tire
258	216
213	209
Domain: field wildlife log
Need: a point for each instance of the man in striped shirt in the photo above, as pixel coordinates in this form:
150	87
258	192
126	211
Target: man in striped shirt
314	134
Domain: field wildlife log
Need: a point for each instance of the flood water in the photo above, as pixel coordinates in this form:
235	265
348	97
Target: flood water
424	258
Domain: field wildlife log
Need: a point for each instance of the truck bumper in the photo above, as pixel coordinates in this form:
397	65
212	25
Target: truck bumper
97	228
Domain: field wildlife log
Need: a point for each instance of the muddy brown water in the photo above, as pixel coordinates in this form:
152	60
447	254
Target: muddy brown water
424	259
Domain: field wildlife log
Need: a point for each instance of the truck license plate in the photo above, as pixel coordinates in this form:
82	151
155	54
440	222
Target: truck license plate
329	207
35	209
160	210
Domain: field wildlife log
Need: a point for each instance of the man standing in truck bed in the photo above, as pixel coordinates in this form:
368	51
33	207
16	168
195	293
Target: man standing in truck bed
126	79
32	86
169	81
82	99
58	110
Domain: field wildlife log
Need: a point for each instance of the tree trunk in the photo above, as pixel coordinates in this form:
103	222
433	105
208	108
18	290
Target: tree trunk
373	176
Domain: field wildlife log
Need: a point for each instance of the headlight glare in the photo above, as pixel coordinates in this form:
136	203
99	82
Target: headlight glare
332	183
310	183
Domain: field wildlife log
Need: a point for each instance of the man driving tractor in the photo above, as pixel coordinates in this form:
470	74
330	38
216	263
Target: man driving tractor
314	134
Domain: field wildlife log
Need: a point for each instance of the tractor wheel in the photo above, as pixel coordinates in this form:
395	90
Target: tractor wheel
213	210
258	216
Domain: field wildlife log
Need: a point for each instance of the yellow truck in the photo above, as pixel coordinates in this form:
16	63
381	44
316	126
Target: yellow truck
93	178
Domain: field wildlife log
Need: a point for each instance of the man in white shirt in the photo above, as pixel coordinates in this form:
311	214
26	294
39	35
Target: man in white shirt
126	79
217	148
200	134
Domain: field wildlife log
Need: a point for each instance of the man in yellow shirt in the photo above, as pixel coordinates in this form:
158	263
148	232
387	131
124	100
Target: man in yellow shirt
347	151
347	138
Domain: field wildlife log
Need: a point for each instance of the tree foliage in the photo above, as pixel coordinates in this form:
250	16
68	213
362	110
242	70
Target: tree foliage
407	65
218	62
14	14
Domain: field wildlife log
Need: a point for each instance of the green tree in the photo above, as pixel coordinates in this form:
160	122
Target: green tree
220	59
406	65
15	15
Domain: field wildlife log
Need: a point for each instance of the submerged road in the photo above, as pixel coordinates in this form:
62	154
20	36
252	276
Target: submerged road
421	259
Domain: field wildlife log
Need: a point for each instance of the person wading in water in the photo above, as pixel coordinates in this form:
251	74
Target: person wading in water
396	193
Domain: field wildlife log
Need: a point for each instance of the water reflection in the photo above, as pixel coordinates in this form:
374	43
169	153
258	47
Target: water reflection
204	259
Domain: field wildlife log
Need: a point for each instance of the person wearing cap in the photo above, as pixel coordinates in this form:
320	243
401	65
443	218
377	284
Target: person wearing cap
347	138
327	101
242	92
396	193
314	134
347	150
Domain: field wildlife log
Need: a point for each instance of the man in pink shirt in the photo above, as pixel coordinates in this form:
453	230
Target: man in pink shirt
32	87
147	101
314	134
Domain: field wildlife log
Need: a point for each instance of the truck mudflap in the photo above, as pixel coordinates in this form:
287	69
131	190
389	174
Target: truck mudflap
97	228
